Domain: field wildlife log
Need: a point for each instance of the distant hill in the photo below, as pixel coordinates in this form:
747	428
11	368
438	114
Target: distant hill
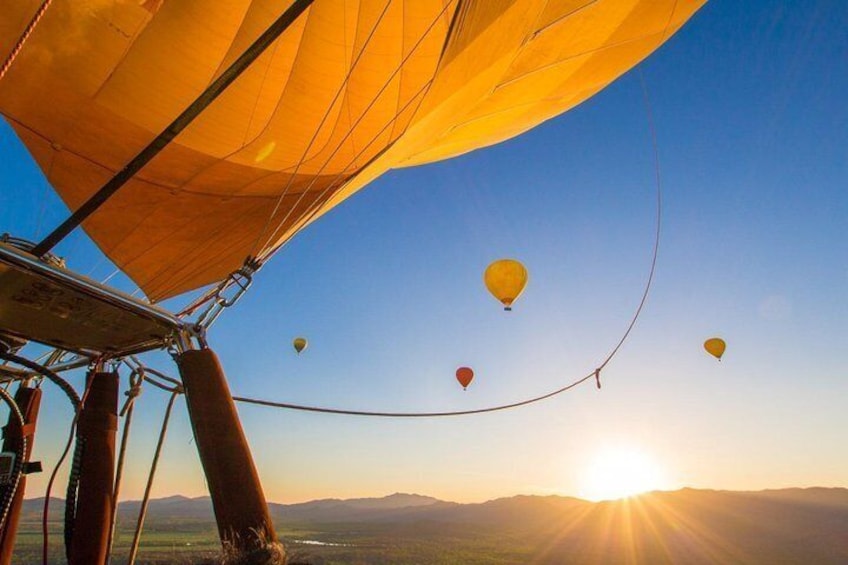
686	526
390	508
324	510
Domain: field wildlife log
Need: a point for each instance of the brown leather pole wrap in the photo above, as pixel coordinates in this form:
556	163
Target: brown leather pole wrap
96	428
237	498
28	400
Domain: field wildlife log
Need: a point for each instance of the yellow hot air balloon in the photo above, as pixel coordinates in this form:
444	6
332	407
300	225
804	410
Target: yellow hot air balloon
300	344
715	346
506	279
348	91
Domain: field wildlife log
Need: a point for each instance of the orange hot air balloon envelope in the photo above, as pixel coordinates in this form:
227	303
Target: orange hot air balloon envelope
506	279
352	89
464	375
300	344
715	346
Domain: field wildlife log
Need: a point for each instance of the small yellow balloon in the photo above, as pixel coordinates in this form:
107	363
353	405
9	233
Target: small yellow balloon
715	346
300	344
506	279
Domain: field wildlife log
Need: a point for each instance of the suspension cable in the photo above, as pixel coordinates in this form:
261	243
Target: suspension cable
326	115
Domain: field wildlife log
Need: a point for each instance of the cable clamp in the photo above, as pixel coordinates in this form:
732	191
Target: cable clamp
598	377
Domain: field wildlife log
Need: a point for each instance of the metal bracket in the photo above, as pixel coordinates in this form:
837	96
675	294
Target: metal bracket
238	282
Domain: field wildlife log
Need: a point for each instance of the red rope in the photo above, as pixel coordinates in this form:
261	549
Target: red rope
24	36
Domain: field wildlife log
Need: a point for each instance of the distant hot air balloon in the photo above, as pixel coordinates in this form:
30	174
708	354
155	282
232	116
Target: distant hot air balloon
506	279
464	375
715	346
300	344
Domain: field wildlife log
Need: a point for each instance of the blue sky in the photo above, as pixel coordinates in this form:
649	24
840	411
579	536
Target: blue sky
748	100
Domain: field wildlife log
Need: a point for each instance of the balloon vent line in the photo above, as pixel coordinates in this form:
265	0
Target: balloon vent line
596	374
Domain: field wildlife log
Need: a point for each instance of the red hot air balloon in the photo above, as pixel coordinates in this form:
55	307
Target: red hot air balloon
464	375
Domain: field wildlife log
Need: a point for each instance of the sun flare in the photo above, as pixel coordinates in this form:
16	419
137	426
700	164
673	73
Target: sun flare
620	473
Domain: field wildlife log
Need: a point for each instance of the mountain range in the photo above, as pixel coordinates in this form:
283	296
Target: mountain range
686	526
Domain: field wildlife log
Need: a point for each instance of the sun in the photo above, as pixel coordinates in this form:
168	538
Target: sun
619	473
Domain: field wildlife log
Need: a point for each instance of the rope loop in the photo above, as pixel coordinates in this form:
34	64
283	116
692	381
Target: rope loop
136	380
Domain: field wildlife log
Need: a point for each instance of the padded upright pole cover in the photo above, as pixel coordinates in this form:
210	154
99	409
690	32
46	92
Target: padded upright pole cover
244	523
28	400
98	422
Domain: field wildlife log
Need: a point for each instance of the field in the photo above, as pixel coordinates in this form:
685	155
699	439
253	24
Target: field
183	542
